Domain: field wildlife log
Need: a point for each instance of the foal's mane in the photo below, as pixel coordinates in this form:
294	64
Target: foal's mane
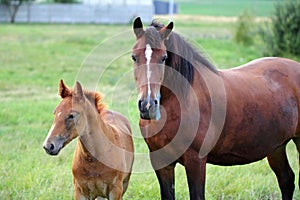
182	56
95	98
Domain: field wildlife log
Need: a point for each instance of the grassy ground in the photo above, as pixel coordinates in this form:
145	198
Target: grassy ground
225	7
33	58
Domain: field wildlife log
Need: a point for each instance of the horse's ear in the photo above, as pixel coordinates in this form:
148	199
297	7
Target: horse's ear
63	90
165	31
138	27
78	92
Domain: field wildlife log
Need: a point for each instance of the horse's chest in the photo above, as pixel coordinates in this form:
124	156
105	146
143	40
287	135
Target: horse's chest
159	136
92	178
92	187
158	141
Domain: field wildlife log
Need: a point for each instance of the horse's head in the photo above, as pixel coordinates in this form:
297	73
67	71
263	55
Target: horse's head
149	54
69	119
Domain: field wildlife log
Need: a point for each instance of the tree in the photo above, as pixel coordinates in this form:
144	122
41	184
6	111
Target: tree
282	36
244	28
12	7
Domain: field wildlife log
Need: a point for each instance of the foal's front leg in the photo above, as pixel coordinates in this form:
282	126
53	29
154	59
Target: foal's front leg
195	170
78	195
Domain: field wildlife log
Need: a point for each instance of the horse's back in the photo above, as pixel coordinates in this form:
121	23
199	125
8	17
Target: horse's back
267	63
270	75
262	110
271	84
275	75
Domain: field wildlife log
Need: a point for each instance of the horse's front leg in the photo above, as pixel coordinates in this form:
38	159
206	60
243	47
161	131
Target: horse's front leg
195	170
166	181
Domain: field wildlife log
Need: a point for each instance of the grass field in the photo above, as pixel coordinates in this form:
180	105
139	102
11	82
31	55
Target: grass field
33	58
226	7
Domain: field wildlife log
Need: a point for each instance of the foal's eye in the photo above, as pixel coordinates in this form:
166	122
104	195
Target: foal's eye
72	116
133	57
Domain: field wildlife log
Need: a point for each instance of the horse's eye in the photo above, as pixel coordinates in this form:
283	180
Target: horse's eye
72	116
133	57
164	58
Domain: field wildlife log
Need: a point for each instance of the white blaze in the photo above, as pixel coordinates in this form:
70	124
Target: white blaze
148	54
49	133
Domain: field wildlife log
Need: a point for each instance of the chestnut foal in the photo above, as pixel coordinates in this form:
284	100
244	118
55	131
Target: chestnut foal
103	157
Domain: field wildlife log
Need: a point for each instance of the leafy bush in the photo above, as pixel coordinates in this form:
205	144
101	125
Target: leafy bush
244	28
282	36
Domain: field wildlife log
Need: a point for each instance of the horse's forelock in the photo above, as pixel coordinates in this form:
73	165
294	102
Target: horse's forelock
153	37
156	24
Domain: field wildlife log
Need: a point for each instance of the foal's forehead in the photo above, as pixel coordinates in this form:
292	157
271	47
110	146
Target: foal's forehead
65	105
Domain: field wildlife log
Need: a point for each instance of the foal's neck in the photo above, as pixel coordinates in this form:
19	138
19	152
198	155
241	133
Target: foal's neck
95	138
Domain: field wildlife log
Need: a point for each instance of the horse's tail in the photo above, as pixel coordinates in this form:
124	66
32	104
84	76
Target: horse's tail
297	142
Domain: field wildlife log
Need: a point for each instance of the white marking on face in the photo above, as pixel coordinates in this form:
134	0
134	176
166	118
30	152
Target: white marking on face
148	54
58	114
148	105
49	133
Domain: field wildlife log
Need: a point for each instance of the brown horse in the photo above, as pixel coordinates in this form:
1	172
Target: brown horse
193	114
104	153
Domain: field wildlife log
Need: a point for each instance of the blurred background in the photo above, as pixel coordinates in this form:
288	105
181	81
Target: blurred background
44	41
122	11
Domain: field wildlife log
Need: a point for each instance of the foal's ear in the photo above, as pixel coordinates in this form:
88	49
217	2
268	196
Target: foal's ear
63	90
78	92
138	27
165	31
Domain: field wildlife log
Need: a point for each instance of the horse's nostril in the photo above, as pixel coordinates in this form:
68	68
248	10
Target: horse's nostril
155	102
49	148
140	104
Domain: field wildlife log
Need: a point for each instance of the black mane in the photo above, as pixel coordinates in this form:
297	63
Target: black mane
181	54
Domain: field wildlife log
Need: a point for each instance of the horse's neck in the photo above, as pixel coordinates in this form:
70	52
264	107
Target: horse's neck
206	84
166	93
98	144
94	141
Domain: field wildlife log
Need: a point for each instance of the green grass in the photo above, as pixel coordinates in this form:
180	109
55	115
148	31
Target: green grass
263	8
33	58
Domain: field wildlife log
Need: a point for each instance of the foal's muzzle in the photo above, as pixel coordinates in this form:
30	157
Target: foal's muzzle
54	147
149	109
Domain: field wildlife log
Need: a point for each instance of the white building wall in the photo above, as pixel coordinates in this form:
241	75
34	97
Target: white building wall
117	2
82	13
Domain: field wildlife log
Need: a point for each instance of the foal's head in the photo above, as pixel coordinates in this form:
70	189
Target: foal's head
70	116
149	54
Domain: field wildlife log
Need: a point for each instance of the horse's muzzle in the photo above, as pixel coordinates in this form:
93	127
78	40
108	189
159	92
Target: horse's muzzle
149	109
53	148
